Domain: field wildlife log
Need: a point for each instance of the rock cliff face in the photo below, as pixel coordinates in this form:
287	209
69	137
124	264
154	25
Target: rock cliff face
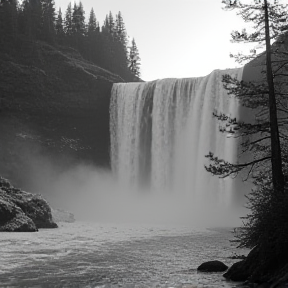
21	211
53	101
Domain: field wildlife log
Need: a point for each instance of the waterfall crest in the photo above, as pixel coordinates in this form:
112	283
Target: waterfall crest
162	130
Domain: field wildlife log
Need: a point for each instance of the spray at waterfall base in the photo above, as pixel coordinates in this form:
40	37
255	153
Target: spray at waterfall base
160	133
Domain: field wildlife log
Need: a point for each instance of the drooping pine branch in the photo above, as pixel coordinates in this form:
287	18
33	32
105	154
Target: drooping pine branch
250	94
223	169
240	128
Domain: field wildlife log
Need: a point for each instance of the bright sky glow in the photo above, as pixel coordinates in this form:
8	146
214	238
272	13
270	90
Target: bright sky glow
175	38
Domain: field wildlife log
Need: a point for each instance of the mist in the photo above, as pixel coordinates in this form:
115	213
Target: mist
157	159
94	194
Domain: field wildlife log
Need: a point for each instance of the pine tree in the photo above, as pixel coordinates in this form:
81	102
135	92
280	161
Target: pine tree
92	23
68	20
111	24
8	20
81	13
108	46
121	49
32	18
265	227
75	19
264	90
59	23
134	59
93	41
105	28
78	19
48	18
120	30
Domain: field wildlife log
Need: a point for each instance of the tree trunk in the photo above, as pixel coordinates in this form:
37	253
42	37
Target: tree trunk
277	174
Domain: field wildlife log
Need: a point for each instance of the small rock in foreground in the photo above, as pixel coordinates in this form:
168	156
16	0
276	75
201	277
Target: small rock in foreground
212	266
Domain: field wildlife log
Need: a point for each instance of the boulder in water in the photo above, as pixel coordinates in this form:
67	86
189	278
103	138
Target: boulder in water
22	211
212	266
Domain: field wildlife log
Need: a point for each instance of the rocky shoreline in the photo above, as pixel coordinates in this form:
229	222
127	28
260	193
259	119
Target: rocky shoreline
256	272
252	271
21	211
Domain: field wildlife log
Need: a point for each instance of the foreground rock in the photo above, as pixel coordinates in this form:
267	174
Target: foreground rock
240	271
21	211
212	266
59	215
259	272
12	218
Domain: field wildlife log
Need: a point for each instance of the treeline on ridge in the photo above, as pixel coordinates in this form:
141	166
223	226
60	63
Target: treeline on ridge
106	46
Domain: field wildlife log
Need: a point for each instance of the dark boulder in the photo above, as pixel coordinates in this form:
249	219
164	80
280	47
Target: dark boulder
245	269
238	272
212	266
265	265
21	211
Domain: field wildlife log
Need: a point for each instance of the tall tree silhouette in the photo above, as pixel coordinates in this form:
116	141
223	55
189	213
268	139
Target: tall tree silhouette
32	18
265	138
48	20
68	21
59	28
134	59
78	19
8	20
93	25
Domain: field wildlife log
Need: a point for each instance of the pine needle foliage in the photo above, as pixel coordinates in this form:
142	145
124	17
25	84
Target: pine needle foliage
107	46
264	138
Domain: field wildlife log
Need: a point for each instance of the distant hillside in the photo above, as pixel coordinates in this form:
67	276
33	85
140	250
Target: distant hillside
53	103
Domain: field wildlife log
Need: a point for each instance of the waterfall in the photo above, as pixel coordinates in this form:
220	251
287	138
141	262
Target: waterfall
162	130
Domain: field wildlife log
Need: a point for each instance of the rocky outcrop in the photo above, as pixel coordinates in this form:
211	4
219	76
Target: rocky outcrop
22	211
263	267
12	218
212	266
240	271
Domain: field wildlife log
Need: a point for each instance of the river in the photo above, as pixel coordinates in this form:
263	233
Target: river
83	254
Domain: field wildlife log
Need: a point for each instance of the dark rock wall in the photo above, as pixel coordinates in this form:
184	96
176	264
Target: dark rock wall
52	103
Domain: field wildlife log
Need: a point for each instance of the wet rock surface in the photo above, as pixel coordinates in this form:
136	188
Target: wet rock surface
212	266
22	211
13	218
258	273
242	270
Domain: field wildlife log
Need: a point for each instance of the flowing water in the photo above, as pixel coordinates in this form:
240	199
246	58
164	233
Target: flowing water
160	134
106	255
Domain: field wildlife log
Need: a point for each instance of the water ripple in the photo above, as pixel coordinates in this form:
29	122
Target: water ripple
98	255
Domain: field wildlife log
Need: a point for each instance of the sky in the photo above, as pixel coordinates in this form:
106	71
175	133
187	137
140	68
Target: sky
175	38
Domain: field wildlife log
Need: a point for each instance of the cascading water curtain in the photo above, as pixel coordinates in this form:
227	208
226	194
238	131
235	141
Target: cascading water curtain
162	130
